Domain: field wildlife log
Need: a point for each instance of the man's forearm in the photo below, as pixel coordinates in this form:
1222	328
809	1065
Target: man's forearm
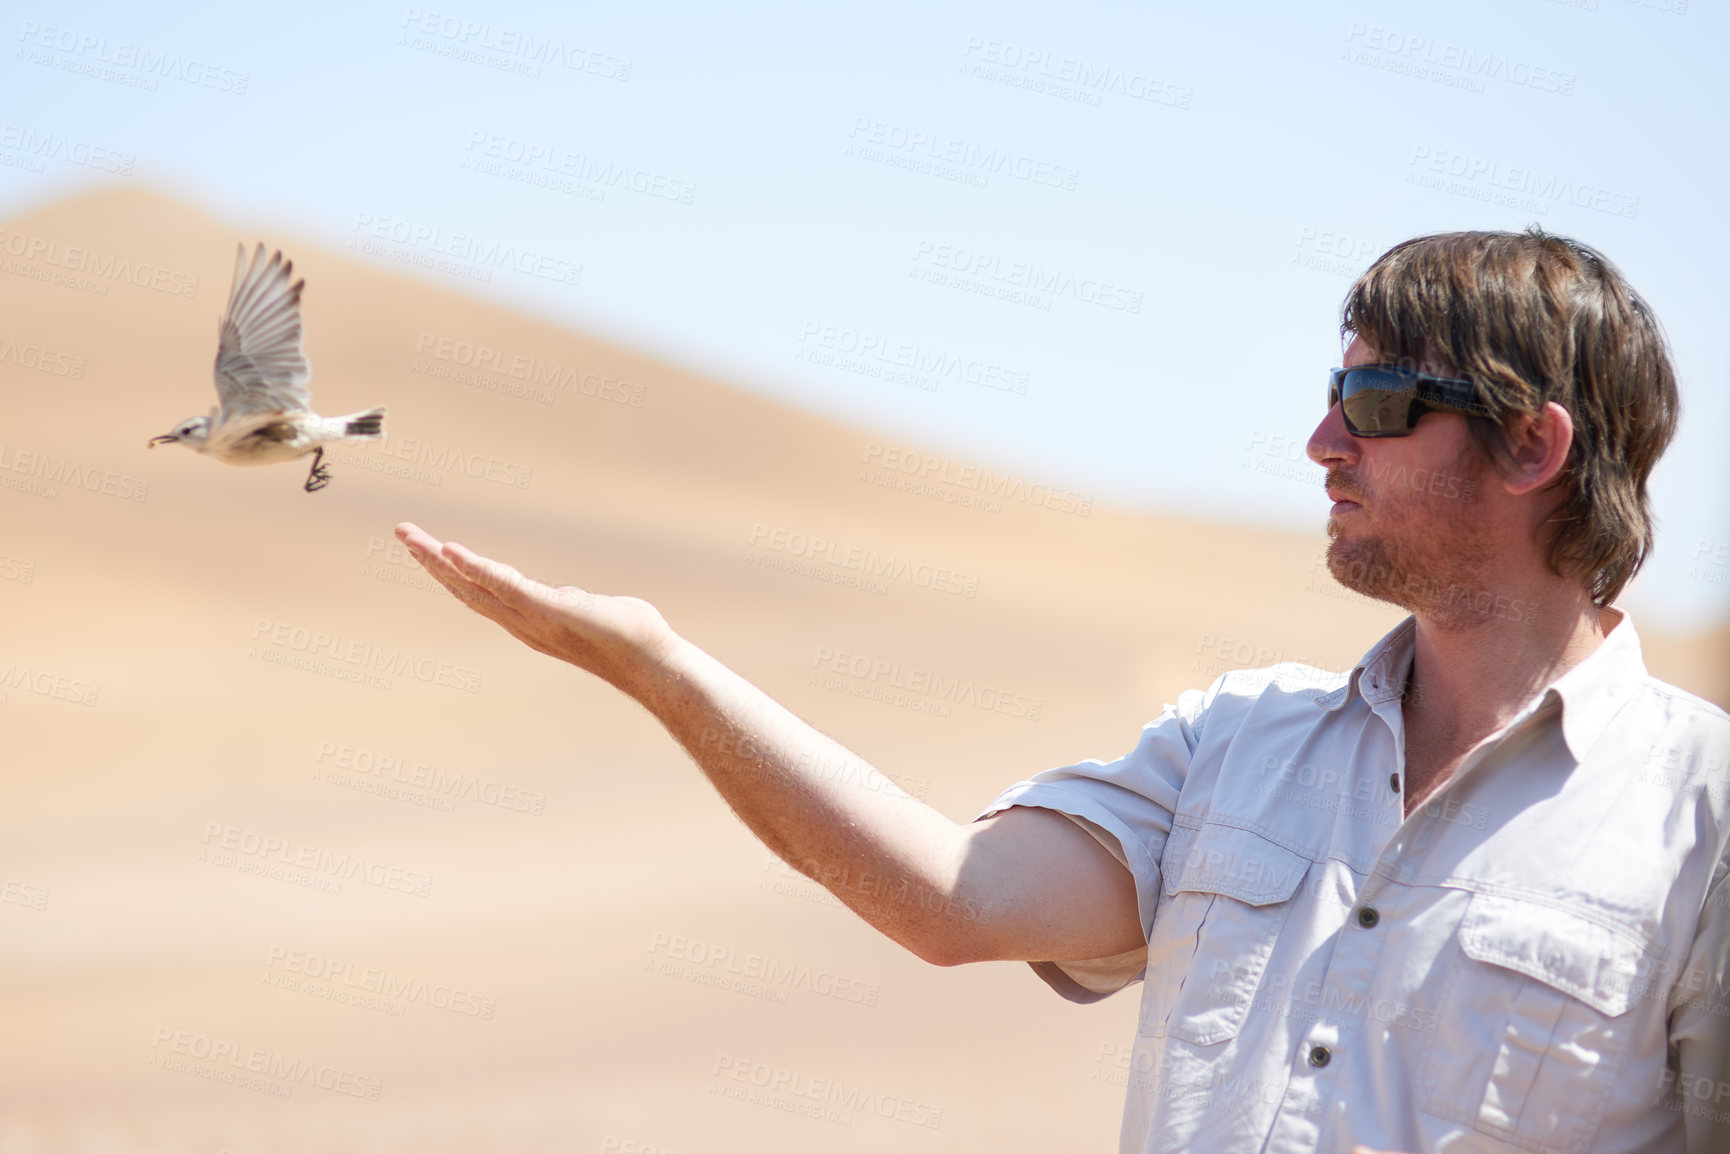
824	810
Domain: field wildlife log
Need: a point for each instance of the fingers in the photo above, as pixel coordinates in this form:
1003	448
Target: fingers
495	577
501	580
415	537
427	550
433	557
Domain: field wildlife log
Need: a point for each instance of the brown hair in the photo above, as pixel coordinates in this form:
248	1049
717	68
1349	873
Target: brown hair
1530	318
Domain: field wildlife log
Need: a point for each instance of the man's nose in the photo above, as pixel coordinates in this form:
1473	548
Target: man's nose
1330	444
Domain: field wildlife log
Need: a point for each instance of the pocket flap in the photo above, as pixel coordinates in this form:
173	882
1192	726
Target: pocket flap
1565	951
1223	859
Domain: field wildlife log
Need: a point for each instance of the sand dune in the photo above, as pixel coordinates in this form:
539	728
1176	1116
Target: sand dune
262	896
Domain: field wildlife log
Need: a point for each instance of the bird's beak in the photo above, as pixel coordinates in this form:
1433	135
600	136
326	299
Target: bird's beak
165	439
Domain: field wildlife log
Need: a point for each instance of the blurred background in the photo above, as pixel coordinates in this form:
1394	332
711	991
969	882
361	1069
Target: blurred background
1031	309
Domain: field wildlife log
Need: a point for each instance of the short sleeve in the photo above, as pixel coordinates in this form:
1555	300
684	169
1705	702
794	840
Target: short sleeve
1127	806
1699	1029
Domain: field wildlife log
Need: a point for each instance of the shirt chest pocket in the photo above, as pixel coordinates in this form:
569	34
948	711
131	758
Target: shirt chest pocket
1227	894
1533	1024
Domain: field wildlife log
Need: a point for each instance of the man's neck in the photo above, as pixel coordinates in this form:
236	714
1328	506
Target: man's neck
1470	679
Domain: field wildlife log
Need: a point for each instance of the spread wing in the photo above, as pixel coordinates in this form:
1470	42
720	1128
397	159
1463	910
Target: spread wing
259	365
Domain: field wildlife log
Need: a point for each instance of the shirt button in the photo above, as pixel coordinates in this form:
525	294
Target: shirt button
1394	782
1367	918
1319	1056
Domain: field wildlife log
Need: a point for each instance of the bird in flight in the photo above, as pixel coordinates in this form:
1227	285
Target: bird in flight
265	413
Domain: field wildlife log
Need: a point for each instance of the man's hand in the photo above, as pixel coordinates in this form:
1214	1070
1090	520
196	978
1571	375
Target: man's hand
615	638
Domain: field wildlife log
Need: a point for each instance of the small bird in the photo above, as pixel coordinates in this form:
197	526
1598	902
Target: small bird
261	374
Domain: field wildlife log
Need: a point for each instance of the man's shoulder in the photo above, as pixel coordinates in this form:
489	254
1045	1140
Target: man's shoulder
1269	695
1684	706
1301	686
1688	736
1287	678
1680	740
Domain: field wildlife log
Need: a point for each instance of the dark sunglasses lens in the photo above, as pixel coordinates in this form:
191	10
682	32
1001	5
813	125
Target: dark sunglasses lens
1377	404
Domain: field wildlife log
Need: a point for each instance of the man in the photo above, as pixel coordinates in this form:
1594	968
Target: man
1470	896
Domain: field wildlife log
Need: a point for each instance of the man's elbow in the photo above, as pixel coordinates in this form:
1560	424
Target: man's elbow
951	943
943	953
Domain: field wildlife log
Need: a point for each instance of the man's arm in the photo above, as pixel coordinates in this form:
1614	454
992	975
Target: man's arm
1026	884
1700	1029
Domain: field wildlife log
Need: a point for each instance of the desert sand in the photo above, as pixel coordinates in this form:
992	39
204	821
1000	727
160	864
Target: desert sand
298	855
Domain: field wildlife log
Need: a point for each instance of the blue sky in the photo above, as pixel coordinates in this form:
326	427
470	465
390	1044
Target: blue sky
1082	233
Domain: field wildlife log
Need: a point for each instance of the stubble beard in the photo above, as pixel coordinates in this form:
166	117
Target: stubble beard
1428	554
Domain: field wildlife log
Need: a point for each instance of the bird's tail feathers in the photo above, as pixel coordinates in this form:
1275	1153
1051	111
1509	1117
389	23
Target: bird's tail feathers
368	424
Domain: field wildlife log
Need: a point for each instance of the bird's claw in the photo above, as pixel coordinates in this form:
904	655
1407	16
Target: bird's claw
320	476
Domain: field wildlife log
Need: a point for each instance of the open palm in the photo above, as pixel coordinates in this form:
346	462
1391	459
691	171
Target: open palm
611	637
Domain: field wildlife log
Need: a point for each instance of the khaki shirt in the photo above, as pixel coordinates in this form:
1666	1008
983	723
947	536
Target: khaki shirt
1538	959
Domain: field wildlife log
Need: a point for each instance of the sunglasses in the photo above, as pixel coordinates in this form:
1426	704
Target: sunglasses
1386	400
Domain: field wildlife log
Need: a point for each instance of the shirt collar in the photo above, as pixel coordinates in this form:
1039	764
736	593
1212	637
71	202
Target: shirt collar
1381	673
1589	695
1594	691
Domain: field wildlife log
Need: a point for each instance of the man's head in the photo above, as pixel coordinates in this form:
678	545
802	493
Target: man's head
1572	369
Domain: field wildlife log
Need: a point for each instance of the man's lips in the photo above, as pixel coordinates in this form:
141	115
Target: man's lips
1345	498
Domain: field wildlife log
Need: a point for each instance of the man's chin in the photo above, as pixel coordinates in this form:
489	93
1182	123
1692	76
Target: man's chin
1360	567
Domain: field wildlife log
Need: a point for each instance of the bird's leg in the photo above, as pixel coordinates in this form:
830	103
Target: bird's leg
320	476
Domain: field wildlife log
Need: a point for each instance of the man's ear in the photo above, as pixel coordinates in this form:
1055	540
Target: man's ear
1538	446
